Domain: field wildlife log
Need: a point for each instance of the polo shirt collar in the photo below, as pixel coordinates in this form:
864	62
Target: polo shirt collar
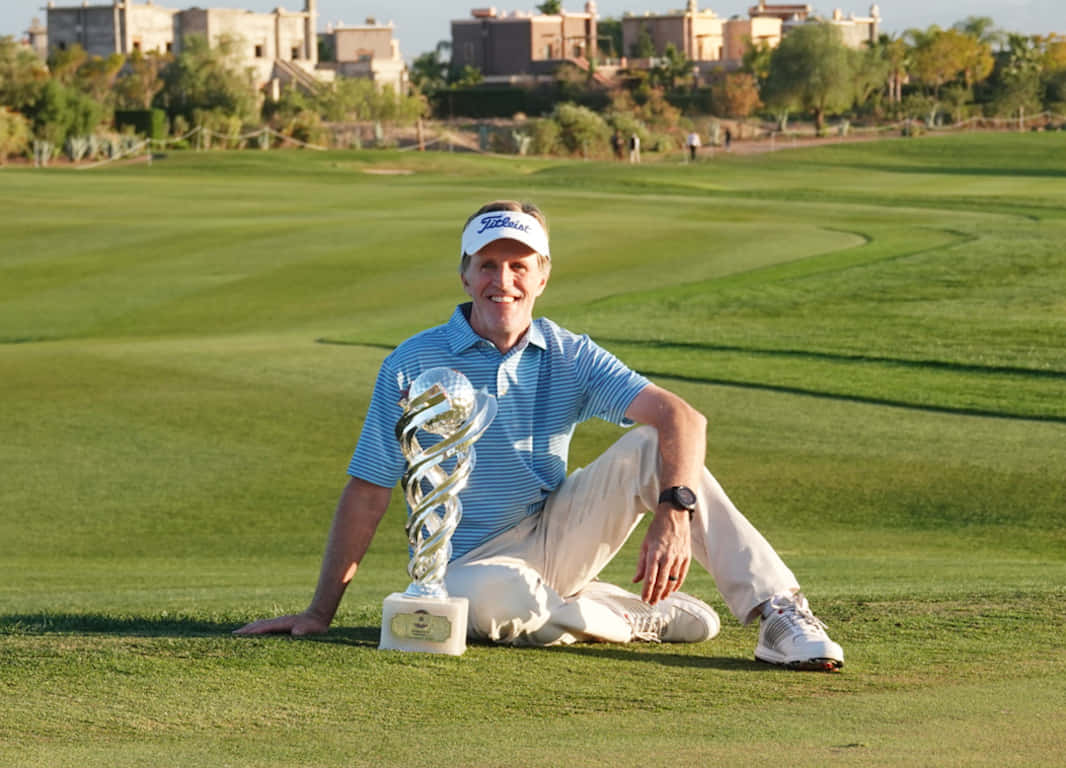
461	336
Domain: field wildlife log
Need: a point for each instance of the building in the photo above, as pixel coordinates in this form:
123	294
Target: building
516	45
786	13
855	31
368	51
281	45
700	35
713	42
37	38
705	38
739	32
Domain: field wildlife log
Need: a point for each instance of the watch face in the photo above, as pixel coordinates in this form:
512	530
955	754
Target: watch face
685	496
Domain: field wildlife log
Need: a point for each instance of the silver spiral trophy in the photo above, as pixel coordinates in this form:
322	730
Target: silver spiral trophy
442	402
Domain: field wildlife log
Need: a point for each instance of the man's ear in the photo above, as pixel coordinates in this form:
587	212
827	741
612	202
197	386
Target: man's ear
545	274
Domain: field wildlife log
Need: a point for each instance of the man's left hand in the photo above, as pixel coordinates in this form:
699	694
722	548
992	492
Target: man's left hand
665	554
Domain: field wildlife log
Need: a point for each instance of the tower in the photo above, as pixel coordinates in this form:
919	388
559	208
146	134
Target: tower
311	32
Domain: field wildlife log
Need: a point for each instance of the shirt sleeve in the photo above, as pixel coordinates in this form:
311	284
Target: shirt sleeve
610	385
378	458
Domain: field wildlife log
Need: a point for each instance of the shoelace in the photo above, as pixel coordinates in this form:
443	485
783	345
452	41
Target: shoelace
799	617
647	624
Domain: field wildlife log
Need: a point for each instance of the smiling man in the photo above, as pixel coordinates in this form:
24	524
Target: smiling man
533	539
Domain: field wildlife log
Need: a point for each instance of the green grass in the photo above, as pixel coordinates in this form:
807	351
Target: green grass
876	332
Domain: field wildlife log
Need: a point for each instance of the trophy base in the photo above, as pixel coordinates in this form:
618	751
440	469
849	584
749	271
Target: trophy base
424	624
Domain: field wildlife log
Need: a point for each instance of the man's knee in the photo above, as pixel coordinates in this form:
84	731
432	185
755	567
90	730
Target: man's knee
508	600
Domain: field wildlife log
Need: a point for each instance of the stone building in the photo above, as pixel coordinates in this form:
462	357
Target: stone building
857	31
368	51
37	38
711	41
786	13
505	46
700	35
704	37
281	45
739	32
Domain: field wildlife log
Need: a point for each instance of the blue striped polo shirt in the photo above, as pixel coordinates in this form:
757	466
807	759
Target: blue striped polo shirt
546	385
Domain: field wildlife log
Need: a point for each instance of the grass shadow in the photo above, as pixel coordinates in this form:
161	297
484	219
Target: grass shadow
159	626
839	357
105	624
666	659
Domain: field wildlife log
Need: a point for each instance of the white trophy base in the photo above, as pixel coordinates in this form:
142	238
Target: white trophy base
424	624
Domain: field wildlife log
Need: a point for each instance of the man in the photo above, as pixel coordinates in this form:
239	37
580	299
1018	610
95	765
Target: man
533	540
693	145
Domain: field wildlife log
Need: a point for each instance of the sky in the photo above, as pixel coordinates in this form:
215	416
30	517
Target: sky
419	24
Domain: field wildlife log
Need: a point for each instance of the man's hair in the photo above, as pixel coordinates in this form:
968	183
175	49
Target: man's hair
517	207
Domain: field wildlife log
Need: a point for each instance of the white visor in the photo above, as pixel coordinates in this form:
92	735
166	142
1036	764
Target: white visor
509	225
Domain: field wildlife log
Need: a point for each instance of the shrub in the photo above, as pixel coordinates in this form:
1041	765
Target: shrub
150	123
14	134
545	139
305	126
61	111
581	131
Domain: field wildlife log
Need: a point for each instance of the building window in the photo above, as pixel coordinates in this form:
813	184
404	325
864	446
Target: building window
259	51
170	47
295	53
136	45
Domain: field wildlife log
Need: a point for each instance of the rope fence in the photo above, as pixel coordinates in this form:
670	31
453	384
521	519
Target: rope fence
127	147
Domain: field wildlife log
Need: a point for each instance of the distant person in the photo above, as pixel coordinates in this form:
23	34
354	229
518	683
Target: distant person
693	142
616	145
532	540
728	138
634	148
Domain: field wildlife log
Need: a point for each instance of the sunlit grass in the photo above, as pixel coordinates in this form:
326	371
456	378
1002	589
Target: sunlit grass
876	334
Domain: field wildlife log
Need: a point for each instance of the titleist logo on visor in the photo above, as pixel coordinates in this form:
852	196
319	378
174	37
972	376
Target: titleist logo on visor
496	222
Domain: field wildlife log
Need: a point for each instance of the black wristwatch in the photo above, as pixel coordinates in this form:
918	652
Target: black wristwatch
681	496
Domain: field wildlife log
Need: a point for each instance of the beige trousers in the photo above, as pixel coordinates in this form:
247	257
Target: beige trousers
535	584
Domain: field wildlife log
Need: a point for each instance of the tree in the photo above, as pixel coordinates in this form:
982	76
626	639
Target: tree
22	75
811	70
756	60
551	7
467	77
895	54
939	56
65	62
1019	87
207	78
735	94
96	77
675	67
142	80
14	134
429	71
981	28
644	47
872	72
62	111
609	35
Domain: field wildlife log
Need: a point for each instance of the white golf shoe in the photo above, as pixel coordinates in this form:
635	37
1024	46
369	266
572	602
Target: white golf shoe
679	618
794	637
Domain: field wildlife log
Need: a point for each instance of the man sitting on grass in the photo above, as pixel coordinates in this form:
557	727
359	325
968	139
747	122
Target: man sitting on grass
533	540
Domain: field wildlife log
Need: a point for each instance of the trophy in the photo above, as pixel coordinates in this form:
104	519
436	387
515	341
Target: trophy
443	402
